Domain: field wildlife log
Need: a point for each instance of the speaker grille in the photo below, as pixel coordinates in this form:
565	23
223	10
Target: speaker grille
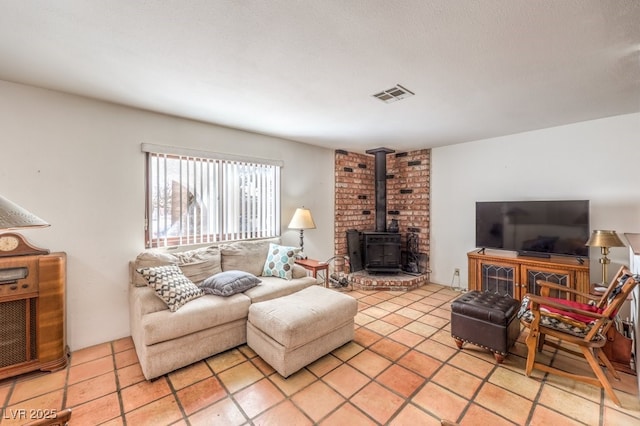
17	343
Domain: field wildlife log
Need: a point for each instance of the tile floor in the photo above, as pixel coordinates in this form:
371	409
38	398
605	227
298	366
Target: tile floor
403	368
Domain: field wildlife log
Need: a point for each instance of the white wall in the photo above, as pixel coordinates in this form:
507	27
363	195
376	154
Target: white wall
77	164
594	160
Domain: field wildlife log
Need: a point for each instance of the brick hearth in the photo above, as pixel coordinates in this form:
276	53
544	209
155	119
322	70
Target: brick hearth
362	280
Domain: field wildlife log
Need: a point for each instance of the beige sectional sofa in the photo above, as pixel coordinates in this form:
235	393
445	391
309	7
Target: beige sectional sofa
207	325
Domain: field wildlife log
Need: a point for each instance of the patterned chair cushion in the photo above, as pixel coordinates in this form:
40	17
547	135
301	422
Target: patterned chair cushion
584	306
556	321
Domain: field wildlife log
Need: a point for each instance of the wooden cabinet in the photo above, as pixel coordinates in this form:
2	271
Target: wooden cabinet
634	311
32	314
507	273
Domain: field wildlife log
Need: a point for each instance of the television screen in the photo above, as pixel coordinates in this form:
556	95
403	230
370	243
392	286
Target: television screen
534	227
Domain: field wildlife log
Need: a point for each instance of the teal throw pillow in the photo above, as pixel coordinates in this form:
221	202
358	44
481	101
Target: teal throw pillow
280	260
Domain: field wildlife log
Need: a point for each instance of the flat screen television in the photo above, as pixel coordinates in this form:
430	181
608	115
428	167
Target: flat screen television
534	228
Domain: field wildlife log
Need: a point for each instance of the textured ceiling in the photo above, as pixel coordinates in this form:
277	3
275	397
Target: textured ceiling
307	70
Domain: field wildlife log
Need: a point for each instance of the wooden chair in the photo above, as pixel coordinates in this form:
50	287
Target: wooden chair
579	324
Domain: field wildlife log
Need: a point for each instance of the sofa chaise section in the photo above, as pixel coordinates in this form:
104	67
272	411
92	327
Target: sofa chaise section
166	341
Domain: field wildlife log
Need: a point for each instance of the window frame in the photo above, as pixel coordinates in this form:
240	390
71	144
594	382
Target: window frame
225	218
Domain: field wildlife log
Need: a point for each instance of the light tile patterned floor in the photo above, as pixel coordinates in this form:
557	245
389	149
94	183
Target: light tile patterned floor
403	368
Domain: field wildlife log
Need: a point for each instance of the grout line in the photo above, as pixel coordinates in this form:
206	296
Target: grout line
118	389
174	393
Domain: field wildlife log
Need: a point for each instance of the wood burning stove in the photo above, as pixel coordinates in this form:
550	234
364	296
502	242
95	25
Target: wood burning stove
381	248
382	252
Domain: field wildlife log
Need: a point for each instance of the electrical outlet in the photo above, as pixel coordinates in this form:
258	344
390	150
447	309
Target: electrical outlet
456	271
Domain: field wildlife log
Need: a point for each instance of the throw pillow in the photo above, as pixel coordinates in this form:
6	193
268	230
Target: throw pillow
280	261
229	283
171	285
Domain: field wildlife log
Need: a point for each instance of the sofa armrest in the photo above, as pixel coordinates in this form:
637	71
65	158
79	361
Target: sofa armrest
143	301
298	271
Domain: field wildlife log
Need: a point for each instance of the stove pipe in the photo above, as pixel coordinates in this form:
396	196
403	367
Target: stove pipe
381	186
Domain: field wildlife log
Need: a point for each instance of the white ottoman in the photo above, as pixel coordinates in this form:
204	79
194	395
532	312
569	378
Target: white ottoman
291	332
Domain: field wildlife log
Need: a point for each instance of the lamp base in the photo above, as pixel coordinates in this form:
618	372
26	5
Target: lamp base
300	255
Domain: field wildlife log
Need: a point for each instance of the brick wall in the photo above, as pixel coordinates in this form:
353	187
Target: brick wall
408	183
354	196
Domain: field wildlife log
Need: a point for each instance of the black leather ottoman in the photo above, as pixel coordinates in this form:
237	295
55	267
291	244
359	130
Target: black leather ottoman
487	320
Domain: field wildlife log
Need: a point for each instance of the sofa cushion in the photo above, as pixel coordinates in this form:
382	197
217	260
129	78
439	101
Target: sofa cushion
200	264
197	265
149	259
247	256
272	287
279	262
171	285
203	313
228	283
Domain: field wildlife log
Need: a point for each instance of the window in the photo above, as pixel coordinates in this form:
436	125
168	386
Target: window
197	197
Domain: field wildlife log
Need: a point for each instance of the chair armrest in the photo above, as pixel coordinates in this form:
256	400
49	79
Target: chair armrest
553	286
536	301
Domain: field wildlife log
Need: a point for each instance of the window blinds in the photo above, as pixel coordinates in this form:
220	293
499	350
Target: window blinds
197	197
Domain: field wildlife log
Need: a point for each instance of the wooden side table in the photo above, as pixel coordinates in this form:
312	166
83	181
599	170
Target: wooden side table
314	266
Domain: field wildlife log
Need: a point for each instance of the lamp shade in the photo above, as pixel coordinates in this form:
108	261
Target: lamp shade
12	216
604	238
302	219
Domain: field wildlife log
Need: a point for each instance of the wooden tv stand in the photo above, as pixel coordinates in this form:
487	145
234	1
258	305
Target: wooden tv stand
506	272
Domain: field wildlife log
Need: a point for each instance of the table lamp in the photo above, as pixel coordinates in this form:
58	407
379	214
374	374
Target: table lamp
604	239
302	220
12	216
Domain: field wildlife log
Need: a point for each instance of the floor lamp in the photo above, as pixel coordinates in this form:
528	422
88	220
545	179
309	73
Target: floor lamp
604	240
302	220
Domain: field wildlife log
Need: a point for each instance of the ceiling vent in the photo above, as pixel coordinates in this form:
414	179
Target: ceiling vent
396	93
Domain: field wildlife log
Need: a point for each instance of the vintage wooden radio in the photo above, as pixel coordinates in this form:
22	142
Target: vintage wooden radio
32	307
